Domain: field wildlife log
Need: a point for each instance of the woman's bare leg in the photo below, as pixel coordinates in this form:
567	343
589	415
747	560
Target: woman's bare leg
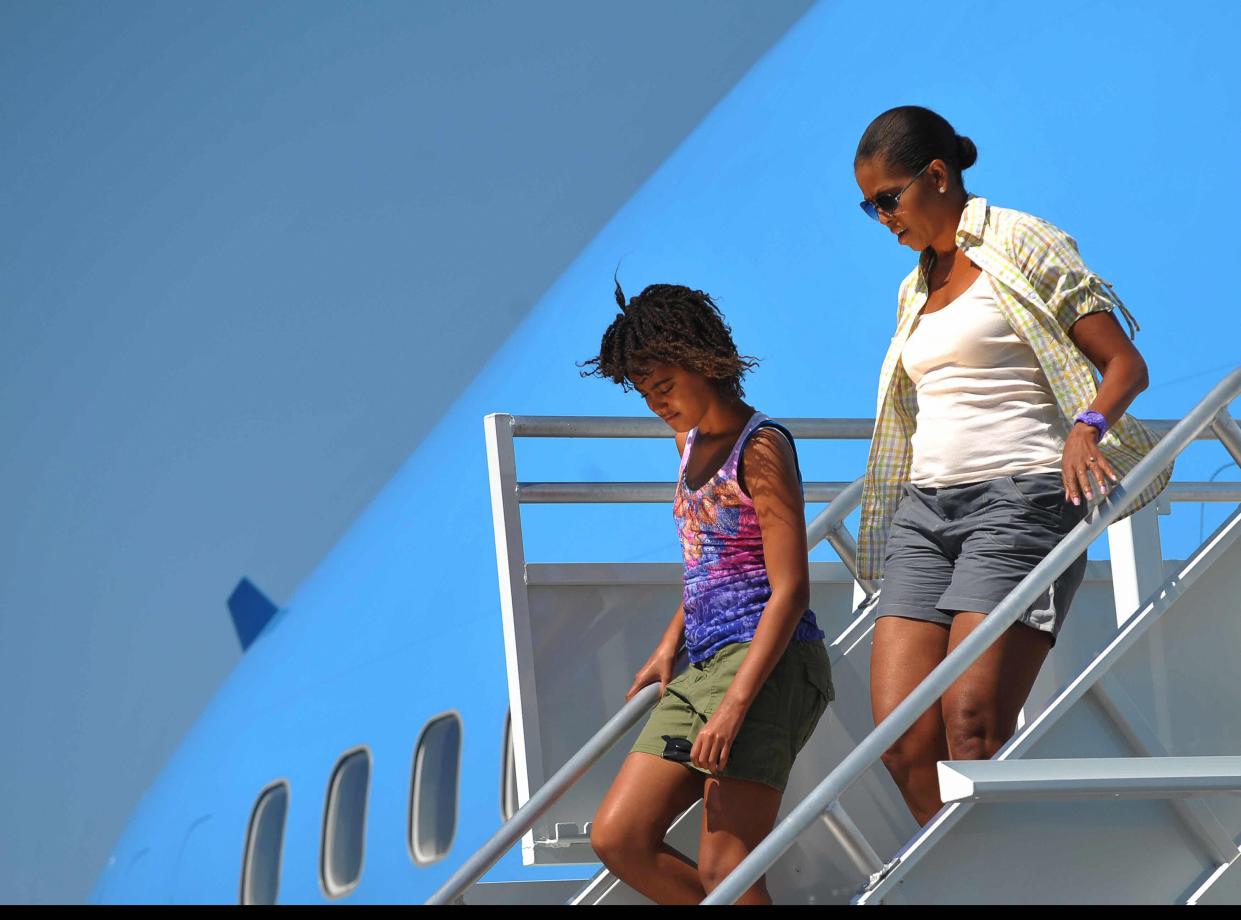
903	652
980	709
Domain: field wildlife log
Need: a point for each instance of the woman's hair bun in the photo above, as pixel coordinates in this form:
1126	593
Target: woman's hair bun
909	136
967	153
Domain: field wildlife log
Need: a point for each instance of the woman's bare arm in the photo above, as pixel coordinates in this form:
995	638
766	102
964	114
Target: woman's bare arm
1100	338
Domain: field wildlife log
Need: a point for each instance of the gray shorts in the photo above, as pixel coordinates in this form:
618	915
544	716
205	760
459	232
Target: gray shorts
966	547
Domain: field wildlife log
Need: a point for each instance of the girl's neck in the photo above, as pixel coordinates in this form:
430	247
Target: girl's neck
725	416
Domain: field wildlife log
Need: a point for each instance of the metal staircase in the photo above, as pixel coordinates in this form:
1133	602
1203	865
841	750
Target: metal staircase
1143	669
1156	818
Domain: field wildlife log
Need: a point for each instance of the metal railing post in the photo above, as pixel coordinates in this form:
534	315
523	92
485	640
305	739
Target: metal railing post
1229	433
828	525
933	686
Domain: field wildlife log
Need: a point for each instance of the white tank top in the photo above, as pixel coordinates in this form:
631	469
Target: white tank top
985	408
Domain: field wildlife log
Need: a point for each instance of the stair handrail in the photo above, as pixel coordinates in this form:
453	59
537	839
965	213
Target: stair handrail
546	796
1211	410
827	525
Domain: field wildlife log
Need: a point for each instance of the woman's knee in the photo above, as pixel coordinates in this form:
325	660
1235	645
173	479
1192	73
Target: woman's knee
908	754
971	735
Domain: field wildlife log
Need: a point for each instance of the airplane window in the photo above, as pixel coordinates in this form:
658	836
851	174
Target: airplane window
433	796
344	825
260	873
508	772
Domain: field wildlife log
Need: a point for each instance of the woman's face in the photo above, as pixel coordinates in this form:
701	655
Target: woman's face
923	215
680	397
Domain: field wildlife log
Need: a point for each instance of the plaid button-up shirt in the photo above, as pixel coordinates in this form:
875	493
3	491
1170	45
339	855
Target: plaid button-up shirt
1042	287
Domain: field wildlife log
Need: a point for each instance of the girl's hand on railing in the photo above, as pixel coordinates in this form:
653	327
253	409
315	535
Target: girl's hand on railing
657	668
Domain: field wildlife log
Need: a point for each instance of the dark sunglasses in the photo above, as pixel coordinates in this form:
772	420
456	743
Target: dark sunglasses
887	202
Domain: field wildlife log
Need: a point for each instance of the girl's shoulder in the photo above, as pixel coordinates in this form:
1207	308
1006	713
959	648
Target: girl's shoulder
769	437
769	451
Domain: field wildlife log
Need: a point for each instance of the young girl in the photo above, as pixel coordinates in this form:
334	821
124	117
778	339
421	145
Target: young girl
728	728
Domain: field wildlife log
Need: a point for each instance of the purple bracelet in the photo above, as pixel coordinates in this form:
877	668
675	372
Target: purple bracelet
1095	420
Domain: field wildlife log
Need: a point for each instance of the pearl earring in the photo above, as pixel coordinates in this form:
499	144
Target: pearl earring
941	191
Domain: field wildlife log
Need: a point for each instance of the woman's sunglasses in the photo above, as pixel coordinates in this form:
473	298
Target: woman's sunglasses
887	202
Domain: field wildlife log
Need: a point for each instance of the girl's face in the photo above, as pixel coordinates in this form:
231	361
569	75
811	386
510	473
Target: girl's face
923	214
680	397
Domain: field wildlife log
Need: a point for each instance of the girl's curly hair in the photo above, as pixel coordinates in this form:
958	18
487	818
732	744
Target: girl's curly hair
671	324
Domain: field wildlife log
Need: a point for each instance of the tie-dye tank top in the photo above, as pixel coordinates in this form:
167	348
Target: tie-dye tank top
726	586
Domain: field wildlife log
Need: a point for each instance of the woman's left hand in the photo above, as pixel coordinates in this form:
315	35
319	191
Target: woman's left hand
715	742
1082	457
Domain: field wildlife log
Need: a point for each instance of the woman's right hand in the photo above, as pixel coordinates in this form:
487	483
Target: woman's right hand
657	668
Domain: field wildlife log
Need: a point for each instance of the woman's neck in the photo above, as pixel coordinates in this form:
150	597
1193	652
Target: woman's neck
943	257
945	241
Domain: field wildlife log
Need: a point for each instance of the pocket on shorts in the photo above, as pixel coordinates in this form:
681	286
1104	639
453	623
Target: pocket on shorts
902	505
818	692
1043	492
818	673
1021	520
903	527
721	671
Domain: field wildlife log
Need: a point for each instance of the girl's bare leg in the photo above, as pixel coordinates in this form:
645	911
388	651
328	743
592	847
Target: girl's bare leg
737	814
628	833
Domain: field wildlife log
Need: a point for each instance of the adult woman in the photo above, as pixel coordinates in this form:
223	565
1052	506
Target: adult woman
990	428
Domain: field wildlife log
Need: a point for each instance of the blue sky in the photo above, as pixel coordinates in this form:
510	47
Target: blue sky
248	254
1115	128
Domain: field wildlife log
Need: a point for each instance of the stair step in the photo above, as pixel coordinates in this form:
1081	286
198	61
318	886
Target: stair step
1087	778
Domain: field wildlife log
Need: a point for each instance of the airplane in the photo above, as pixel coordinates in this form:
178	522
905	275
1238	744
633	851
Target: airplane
453	650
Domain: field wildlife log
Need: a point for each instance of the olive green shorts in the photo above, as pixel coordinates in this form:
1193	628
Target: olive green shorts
778	724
